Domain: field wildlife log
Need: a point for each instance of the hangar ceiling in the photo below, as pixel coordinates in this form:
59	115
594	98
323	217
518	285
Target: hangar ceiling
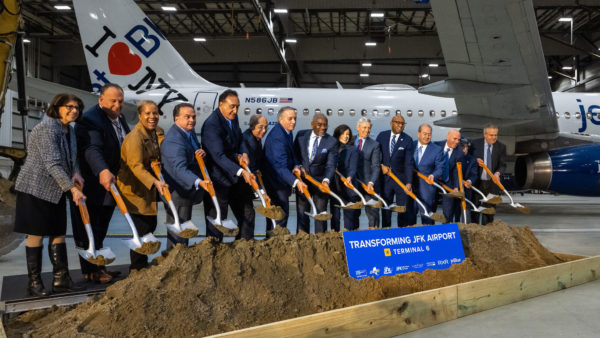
330	41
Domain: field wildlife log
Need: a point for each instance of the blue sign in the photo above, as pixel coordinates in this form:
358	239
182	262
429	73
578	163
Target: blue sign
388	252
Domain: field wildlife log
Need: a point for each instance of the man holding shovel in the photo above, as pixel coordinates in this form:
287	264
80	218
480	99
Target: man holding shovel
493	154
452	155
369	167
181	172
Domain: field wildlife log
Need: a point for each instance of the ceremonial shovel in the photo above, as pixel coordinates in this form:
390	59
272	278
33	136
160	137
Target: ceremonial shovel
227	227
327	190
185	230
382	204
266	209
323	216
451	192
517	206
348	183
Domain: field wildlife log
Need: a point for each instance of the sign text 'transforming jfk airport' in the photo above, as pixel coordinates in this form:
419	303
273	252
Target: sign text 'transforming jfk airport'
387	252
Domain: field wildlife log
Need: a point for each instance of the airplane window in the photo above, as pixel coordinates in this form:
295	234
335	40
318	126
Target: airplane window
454	112
352	112
578	115
305	111
375	112
270	111
386	112
398	112
443	113
589	116
409	113
432	113
259	110
329	112
340	112
557	114
567	115
363	112
247	111
421	113
317	111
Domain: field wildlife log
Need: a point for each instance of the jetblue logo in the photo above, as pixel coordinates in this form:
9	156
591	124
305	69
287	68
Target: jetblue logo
123	61
593	110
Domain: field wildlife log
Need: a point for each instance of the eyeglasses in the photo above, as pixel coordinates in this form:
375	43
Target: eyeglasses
70	107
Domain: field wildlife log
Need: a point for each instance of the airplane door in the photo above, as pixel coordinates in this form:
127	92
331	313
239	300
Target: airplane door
205	103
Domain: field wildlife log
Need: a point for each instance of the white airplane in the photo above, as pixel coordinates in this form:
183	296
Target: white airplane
496	71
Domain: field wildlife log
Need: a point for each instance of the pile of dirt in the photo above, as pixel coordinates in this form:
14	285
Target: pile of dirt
214	287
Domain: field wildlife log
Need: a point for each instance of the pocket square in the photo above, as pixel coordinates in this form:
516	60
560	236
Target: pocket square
323	151
400	148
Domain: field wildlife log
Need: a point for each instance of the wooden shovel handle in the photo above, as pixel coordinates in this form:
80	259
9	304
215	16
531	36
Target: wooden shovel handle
306	193
425	178
463	204
489	172
390	174
245	167
85	215
120	203
210	189
156	168
347	181
322	187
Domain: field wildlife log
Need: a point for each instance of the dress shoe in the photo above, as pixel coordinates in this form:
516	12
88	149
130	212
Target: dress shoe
99	277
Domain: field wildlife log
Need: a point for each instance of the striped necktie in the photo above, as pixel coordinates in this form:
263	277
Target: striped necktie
393	145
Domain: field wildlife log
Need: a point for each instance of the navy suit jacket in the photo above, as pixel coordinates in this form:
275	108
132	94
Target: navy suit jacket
222	146
180	168
401	160
98	148
325	161
253	147
369	162
347	165
456	156
498	155
470	168
280	159
432	163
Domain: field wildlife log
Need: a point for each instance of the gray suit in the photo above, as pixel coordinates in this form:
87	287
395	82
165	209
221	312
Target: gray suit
369	170
51	162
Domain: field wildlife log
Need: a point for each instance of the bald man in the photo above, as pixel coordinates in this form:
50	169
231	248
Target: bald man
452	155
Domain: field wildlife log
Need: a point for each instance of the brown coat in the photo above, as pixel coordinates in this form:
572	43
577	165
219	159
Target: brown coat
135	179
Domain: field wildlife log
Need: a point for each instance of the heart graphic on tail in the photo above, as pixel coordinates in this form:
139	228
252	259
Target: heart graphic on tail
121	61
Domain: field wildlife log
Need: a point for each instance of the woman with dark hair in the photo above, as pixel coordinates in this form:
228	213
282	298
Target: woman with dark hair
347	165
46	179
136	182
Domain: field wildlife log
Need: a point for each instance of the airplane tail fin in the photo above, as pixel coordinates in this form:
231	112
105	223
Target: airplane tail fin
121	45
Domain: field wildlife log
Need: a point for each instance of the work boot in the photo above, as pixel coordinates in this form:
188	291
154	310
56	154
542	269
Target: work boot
61	281
34	272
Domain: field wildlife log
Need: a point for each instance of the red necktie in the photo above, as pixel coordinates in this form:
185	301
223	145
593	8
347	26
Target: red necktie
360	141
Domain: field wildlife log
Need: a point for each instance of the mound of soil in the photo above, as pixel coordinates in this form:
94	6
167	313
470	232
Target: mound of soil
214	287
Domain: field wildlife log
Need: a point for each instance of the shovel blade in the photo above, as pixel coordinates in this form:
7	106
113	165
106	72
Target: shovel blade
457	194
523	209
148	246
354	206
374	204
103	257
486	211
437	217
492	199
397	208
274	212
186	230
323	216
227	227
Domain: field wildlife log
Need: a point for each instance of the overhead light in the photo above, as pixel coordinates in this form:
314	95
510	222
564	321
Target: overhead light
280	10
549	77
200	39
62	7
291	40
370	44
377	15
565	19
433	65
169	8
424	75
364	75
567	68
26	40
367	64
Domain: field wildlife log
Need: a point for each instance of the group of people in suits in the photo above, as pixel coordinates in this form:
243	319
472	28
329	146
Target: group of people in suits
101	151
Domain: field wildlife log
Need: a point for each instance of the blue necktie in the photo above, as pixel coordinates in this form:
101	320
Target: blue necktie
446	165
192	141
488	160
314	149
393	145
229	122
419	154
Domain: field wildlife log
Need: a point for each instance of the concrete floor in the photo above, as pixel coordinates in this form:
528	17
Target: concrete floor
562	224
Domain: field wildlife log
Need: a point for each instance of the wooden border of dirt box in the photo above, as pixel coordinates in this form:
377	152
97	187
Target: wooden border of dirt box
407	313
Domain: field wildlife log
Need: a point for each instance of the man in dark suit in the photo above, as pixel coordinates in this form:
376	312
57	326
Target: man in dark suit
469	176
397	153
369	167
222	139
180	169
452	155
493	154
317	152
429	161
252	145
281	163
99	136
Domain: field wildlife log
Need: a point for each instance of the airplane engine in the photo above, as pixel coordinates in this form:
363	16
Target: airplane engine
571	171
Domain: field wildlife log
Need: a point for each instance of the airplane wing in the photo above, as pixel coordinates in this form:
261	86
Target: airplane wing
496	68
46	90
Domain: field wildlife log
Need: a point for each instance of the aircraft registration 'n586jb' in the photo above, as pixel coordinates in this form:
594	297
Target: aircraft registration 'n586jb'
496	70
